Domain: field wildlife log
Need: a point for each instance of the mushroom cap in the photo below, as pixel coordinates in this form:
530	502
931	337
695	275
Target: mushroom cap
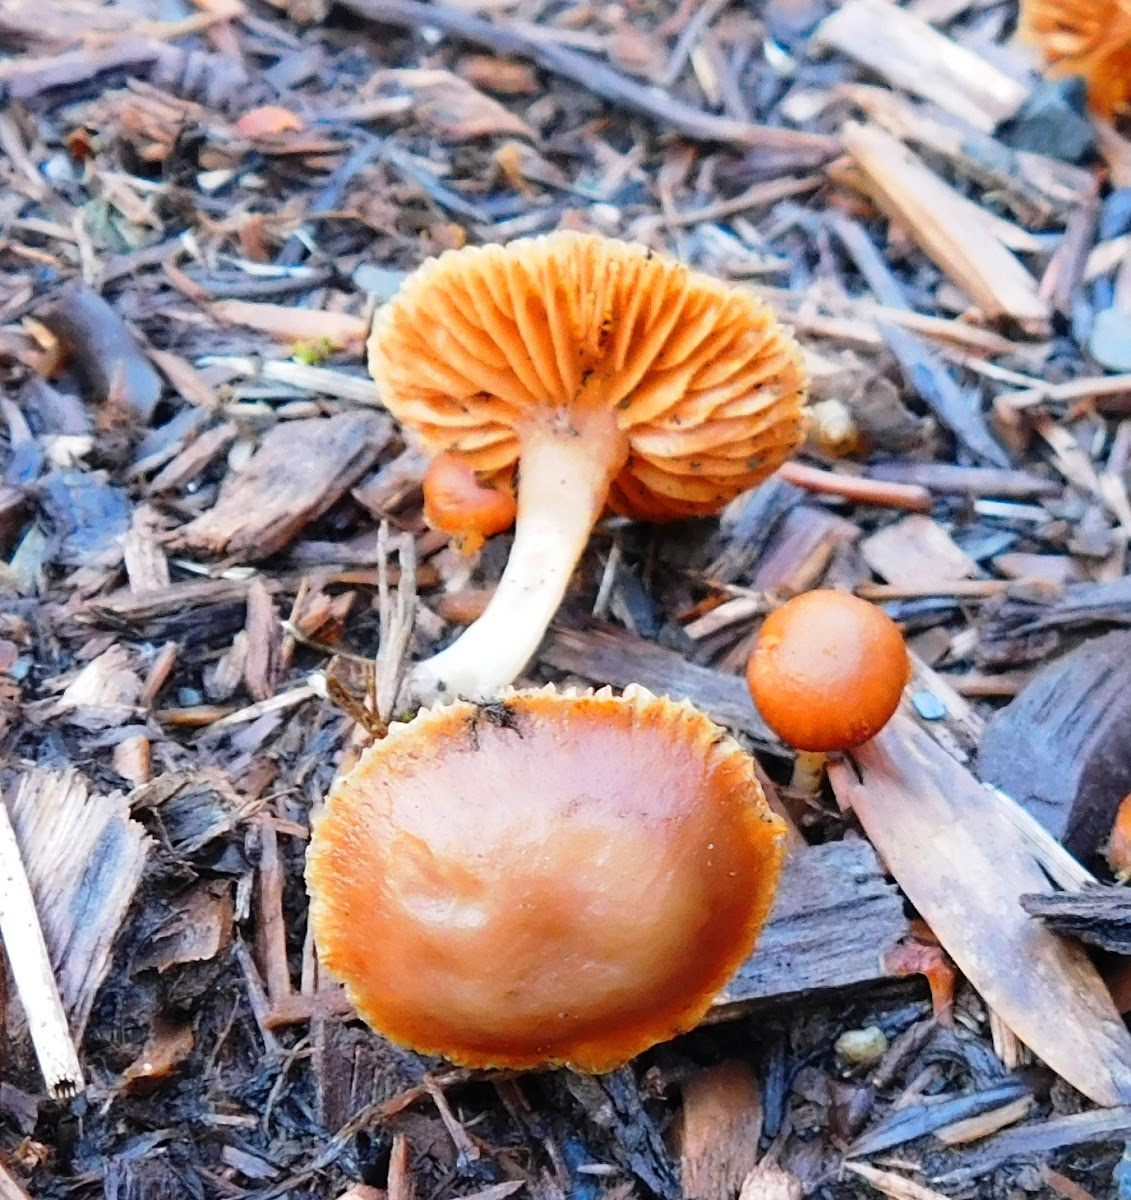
1117	848
828	670
1090	38
484	342
557	877
455	502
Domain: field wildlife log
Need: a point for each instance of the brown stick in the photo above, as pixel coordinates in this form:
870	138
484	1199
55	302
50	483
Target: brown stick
860	490
598	78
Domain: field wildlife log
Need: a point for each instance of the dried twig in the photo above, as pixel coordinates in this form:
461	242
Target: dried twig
27	954
397	619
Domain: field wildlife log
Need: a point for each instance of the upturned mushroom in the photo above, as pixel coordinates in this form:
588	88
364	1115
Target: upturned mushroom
827	673
553	878
613	376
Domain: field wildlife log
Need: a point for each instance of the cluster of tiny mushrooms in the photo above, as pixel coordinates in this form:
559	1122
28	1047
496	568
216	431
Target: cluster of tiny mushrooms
522	878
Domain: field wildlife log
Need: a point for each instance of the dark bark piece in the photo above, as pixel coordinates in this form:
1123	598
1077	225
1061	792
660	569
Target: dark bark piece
620	659
1100	916
1022	629
834	919
747	527
104	352
613	1105
906	1124
14	503
192	807
937	388
354	1070
196	928
301	469
1062	746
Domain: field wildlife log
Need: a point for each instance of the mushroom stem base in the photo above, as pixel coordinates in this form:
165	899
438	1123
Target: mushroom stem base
808	771
564	482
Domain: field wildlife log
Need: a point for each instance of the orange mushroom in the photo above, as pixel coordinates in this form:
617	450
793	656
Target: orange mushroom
1117	850
617	376
827	673
1089	38
553	878
456	502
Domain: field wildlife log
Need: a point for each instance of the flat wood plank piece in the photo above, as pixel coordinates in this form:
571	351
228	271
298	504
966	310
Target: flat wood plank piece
939	219
833	921
300	470
961	864
917	552
618	659
915	57
1062	747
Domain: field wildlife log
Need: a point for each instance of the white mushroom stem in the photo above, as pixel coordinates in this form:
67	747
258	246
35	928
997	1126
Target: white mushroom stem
808	771
564	479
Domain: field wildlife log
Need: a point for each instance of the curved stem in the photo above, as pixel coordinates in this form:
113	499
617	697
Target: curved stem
564	481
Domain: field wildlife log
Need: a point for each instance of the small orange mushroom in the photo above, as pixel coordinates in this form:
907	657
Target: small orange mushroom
1117	851
827	673
1089	38
616	377
456	502
552	878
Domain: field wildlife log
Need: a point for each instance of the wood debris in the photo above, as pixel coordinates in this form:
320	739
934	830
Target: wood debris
948	227
916	57
300	470
1050	994
215	567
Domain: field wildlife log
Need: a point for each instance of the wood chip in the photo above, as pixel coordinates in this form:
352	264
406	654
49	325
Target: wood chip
84	861
916	552
975	1128
961	865
720	1126
263	661
1062	746
301	469
916	57
833	920
938	217
891	1183
768	1181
